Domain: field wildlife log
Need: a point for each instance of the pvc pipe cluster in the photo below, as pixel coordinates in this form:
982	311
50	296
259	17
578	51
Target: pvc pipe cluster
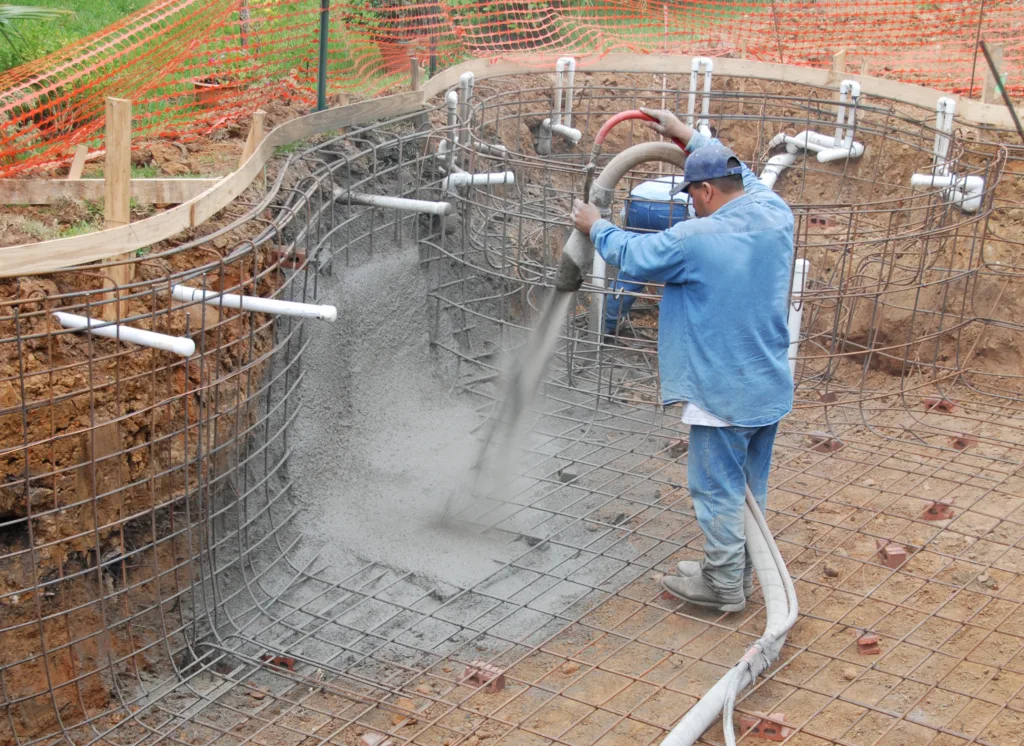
560	121
565	77
964	192
827	148
823	145
254	303
182	346
696	65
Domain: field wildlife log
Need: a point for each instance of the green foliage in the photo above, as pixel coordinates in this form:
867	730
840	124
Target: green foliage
11	15
69	20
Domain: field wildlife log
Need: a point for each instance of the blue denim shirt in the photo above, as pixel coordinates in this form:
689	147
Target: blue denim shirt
723	339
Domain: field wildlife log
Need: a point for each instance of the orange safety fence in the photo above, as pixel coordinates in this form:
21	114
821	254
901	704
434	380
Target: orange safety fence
191	66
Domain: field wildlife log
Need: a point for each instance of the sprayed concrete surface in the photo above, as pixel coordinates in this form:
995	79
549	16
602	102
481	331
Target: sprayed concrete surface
382	443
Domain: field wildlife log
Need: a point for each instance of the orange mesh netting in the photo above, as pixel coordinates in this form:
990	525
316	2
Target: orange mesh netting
190	66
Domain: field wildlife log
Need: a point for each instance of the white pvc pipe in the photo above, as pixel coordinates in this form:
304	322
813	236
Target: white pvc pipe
963	183
464	179
556	109
571	134
600	272
394	203
845	124
448	149
465	111
487	148
823	145
775	166
182	346
796	310
945	109
965	192
567	89
254	303
695	66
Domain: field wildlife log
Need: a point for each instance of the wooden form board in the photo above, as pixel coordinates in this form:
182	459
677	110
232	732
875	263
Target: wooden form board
51	256
61	253
146	191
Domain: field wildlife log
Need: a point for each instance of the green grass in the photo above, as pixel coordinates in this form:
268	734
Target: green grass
77	229
43	37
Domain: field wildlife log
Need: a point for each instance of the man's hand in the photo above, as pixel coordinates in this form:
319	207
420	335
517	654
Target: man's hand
669	125
584	216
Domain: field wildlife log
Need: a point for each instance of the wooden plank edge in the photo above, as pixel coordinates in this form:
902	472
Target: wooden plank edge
64	253
147	191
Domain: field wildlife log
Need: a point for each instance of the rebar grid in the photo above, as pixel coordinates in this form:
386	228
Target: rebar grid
213	630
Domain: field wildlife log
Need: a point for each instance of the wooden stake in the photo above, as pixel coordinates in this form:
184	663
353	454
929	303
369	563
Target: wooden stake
864	66
990	92
117	177
78	162
839	62
255	136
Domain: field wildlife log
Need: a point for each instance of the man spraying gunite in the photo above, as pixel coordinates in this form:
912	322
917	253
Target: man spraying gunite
722	343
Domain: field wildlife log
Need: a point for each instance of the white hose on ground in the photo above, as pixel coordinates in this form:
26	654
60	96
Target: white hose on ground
781	611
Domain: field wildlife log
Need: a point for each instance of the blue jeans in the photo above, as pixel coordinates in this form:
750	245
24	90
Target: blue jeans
616	307
721	462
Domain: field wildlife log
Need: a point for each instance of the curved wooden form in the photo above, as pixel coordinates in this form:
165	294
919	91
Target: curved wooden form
64	253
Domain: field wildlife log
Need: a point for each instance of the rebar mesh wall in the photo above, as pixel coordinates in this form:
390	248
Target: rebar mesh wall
154	592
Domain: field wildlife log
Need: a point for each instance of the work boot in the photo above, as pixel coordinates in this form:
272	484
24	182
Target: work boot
692	588
692	567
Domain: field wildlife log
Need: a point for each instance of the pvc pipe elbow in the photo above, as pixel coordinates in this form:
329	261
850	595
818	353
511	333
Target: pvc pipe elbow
452	99
570	133
696	62
853	150
962	183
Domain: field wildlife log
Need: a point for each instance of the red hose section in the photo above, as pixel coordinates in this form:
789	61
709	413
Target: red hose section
622	116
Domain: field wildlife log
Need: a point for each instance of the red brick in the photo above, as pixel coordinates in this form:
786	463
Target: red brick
938	404
937	511
478	673
761	727
891	555
867	644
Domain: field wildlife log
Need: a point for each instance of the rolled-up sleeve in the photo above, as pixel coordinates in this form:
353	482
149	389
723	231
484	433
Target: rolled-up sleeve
652	257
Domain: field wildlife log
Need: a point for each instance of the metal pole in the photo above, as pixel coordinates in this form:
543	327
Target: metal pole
321	81
1002	89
